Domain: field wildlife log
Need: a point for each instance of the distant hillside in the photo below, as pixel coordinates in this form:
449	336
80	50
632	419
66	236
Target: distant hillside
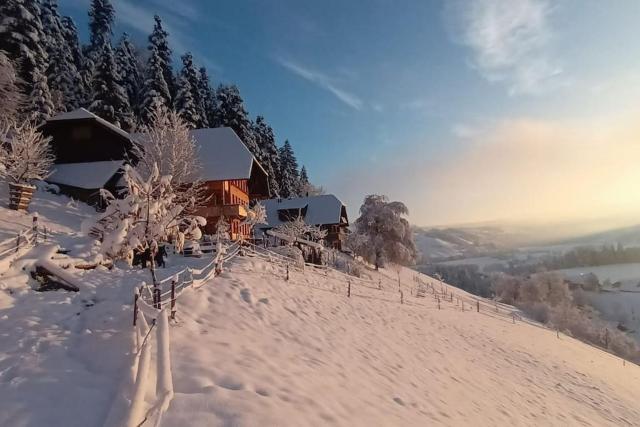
439	244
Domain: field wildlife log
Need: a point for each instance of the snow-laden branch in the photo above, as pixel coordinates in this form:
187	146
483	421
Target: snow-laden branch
25	154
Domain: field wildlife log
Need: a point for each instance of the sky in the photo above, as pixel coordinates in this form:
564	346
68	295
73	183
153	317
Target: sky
465	110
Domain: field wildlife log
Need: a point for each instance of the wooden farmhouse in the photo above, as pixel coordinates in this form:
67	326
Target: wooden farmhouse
90	153
325	211
233	178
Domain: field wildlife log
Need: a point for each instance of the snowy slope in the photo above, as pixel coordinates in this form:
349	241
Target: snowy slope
252	349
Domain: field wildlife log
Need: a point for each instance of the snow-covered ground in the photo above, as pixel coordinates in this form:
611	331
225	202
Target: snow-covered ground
250	348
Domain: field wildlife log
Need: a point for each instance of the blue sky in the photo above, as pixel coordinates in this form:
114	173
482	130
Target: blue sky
420	100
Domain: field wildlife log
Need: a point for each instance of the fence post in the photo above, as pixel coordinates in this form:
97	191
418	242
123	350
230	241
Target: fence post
514	317
401	297
173	300
18	243
34	228
438	303
135	307
287	279
478	306
156	296
349	288
379	284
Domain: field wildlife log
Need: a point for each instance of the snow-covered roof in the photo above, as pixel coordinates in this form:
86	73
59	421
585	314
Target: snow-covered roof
82	114
323	209
223	154
89	175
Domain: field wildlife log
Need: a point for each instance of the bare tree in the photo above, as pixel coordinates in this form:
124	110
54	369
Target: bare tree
166	143
25	154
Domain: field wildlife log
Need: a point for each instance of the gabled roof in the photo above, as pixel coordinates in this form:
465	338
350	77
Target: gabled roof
323	209
89	175
82	114
223	155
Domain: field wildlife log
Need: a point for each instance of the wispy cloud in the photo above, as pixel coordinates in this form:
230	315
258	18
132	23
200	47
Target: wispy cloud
510	40
321	80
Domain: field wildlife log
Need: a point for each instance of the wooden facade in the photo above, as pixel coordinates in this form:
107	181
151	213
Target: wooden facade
229	199
85	138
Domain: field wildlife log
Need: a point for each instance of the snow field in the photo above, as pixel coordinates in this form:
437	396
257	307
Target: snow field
252	349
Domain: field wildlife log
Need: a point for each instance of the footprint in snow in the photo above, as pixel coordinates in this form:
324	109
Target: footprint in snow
246	295
398	401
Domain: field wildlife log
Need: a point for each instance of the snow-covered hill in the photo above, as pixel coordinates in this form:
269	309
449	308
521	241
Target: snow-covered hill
250	348
253	349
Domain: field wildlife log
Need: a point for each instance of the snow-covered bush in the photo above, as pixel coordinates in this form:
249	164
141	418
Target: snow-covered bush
25	154
255	215
292	252
298	229
147	215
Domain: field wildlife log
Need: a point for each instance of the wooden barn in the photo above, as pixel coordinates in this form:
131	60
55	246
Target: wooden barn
325	211
90	153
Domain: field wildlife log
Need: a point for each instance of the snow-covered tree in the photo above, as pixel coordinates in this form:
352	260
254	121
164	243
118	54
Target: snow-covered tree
72	42
101	18
10	94
130	71
22	38
269	158
388	233
155	92
230	112
298	229
63	76
184	103
167	144
39	106
306	188
188	81
208	97
145	217
110	100
25	154
288	179
159	42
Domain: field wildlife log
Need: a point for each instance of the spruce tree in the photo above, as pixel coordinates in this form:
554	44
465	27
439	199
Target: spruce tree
39	106
288	177
63	76
70	34
304	178
268	158
110	99
22	38
208	97
190	106
129	69
230	112
185	104
158	40
101	17
155	92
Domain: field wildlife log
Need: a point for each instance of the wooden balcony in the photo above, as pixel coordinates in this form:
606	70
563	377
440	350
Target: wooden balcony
229	211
